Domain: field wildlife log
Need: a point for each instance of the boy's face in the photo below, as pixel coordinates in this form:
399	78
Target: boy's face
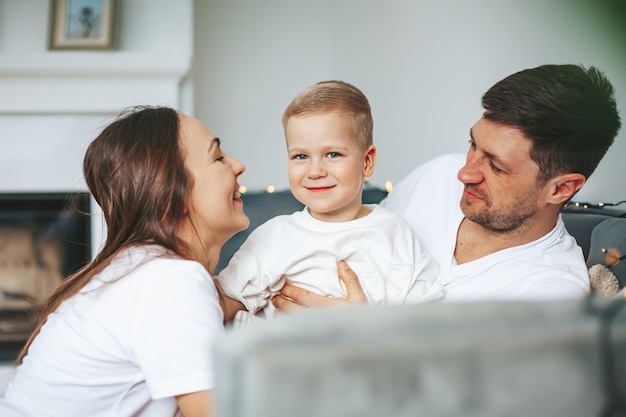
327	165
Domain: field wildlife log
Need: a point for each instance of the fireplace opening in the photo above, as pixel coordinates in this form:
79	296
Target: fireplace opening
44	238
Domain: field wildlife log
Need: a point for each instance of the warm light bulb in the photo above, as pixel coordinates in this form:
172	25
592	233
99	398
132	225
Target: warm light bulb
388	186
270	189
600	204
243	189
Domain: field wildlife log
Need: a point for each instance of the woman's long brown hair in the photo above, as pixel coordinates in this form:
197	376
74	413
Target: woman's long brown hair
135	171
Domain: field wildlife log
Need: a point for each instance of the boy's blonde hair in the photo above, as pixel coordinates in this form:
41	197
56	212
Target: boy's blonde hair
335	96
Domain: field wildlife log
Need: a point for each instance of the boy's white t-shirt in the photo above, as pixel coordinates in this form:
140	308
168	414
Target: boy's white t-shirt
551	267
299	249
126	347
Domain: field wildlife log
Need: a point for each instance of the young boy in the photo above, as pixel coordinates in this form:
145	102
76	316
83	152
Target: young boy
329	129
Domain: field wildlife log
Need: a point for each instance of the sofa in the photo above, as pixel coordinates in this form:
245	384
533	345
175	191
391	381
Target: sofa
594	228
556	359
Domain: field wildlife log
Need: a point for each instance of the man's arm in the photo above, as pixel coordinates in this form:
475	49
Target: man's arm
292	298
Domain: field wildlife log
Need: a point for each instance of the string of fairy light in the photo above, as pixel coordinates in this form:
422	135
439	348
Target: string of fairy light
270	188
600	205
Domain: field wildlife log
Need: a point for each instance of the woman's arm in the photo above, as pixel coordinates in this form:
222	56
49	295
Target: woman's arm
197	404
293	298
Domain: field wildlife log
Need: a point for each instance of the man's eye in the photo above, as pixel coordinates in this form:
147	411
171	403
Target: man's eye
333	155
220	158
300	156
495	168
472	144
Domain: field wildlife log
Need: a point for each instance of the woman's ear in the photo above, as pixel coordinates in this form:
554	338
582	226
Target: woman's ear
565	186
370	161
186	209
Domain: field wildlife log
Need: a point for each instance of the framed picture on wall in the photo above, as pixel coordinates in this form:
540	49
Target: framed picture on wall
82	24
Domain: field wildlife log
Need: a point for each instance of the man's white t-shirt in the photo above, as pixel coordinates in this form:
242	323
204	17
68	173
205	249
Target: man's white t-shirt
551	267
123	347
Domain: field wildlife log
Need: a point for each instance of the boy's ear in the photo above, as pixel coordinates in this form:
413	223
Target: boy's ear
370	161
565	186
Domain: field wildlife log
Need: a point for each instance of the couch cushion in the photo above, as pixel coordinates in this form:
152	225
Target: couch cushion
580	225
609	234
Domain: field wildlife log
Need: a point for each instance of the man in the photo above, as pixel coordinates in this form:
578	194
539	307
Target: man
543	132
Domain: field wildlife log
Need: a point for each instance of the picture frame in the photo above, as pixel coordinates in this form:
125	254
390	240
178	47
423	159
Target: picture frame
82	24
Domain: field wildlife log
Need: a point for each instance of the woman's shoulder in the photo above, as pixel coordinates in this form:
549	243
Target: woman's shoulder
154	261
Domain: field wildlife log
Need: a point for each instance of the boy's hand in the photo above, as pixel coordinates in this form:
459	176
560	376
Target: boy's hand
292	298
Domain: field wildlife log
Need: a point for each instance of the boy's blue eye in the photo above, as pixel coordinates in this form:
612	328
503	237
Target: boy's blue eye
300	156
333	154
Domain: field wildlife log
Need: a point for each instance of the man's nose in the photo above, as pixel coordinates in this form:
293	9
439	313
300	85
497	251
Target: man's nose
471	172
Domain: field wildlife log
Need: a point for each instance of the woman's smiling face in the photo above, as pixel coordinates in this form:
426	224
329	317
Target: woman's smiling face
215	206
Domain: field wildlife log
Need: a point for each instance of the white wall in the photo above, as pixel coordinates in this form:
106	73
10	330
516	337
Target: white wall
423	64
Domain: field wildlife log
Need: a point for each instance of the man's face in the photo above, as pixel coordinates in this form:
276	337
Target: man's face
502	188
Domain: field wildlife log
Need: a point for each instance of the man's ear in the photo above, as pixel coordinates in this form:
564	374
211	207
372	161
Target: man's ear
565	186
370	161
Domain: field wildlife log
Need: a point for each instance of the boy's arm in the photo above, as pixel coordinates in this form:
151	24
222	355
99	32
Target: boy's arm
241	284
230	306
425	283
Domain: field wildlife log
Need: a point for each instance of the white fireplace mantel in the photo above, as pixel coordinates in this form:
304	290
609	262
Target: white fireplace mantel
88	82
56	102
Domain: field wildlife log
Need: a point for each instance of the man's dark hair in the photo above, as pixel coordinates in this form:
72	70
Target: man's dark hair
567	111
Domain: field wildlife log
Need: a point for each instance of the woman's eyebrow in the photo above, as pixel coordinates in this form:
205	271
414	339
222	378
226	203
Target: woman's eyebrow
215	143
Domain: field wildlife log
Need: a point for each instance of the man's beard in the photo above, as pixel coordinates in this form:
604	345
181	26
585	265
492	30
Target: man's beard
507	219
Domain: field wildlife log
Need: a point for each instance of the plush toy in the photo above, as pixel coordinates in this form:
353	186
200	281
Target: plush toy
603	281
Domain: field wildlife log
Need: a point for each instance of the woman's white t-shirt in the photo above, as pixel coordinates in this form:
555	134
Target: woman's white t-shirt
123	347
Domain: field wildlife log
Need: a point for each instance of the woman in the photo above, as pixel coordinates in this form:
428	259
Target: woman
131	333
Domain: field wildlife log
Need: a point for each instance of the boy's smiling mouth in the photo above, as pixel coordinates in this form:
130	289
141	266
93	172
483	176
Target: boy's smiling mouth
320	188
